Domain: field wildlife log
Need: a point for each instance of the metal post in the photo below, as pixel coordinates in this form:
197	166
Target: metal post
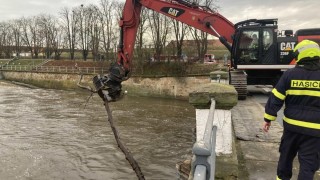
204	149
212	160
218	78
200	173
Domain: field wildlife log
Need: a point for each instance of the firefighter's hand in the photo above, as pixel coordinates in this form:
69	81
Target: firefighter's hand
266	126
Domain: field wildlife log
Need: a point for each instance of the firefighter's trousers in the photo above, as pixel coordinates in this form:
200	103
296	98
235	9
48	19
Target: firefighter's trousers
308	150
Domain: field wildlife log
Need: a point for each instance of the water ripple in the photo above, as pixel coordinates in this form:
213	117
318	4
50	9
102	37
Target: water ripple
48	134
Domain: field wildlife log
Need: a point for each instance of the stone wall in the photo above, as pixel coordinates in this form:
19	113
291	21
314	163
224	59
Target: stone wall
170	87
174	87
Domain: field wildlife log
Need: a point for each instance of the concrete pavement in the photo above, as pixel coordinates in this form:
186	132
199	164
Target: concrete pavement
258	151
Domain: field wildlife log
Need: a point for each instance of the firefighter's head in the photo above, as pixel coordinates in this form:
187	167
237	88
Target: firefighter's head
307	50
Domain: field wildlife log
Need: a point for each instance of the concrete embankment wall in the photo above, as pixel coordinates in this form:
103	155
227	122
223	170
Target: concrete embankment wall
170	87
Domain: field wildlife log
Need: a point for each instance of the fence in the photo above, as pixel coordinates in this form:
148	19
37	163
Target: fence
181	71
57	69
203	165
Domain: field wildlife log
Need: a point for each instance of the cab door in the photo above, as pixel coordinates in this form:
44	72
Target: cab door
255	46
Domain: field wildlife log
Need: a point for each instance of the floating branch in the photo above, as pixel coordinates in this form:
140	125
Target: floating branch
135	166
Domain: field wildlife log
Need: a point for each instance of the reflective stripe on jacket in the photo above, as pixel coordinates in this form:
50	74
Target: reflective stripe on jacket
299	89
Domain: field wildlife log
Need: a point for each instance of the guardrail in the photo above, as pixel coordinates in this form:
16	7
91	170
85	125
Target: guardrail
203	165
87	70
58	69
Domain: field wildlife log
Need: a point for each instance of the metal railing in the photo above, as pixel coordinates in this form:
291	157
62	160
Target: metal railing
203	165
90	70
57	69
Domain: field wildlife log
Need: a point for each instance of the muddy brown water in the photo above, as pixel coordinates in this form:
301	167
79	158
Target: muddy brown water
50	134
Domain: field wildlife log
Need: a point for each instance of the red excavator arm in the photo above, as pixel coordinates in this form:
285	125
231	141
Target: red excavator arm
199	17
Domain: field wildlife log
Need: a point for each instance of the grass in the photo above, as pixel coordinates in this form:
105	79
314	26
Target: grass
2	62
176	69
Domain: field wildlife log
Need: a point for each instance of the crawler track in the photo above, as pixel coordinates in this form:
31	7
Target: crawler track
239	80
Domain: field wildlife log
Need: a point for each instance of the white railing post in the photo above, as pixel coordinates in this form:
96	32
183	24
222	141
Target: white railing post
204	149
200	173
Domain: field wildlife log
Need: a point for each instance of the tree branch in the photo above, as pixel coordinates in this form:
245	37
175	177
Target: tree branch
135	166
85	87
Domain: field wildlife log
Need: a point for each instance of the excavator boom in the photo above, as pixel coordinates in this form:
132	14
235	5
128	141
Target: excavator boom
199	17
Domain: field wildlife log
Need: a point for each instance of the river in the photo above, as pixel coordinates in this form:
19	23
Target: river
51	134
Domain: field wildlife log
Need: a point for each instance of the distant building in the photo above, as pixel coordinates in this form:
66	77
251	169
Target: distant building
190	50
212	44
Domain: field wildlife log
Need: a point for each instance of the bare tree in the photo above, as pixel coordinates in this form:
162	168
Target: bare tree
118	10
58	41
85	17
108	25
47	27
201	40
54	37
69	25
16	30
26	36
140	39
180	31
2	38
159	25
36	35
6	39
95	31
200	37
119	6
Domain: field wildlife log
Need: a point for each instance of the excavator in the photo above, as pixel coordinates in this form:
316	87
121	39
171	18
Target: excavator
260	53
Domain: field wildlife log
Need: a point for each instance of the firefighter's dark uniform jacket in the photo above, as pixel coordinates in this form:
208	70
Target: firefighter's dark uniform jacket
300	90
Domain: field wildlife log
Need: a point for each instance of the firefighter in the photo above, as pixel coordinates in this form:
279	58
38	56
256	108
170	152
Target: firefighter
299	89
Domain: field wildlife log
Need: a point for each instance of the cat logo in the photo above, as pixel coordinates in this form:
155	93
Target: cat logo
175	12
287	46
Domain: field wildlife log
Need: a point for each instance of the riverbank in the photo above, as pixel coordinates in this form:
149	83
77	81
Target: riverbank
165	87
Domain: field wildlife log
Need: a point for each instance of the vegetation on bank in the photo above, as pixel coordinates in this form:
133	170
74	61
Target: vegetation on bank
177	69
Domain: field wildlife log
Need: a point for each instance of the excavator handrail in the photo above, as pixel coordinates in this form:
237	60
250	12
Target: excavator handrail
257	22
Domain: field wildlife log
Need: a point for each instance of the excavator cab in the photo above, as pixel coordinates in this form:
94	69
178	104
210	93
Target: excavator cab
254	54
255	43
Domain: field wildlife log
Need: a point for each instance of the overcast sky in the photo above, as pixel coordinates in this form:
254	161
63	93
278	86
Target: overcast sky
292	14
12	9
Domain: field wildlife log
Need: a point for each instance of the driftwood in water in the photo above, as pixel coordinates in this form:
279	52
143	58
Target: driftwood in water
135	166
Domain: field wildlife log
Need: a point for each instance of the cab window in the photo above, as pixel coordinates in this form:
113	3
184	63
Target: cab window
249	46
